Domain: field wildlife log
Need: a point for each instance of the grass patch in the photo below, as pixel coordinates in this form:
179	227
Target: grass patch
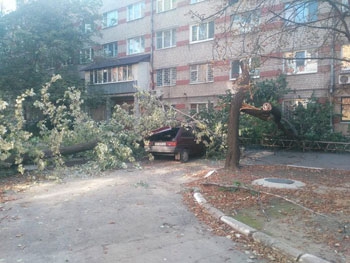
247	217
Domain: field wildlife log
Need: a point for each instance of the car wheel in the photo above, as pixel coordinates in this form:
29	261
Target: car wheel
184	156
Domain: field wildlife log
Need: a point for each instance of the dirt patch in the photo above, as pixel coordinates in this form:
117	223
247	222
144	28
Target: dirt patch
314	218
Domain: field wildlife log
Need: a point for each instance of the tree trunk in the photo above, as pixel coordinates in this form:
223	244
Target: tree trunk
81	147
233	151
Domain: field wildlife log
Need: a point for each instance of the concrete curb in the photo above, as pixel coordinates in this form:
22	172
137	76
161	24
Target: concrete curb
295	254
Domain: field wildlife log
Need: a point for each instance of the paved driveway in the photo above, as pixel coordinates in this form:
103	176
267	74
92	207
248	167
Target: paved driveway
122	216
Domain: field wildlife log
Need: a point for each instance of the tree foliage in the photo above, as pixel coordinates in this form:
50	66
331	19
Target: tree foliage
272	91
313	121
119	140
41	38
266	28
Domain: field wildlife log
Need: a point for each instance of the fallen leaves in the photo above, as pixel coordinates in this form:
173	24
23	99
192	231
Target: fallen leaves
323	223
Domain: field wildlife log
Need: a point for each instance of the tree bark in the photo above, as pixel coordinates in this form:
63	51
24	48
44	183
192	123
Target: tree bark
270	113
233	151
240	88
81	147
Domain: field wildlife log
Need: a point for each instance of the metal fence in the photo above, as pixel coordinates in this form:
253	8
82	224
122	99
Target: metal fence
298	145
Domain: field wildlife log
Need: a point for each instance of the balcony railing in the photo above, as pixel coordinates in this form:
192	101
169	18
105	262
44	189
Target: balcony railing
112	88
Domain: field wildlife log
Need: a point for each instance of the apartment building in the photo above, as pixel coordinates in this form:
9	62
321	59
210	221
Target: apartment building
187	52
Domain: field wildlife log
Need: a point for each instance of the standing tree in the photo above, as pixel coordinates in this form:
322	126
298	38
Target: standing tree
42	38
239	90
267	29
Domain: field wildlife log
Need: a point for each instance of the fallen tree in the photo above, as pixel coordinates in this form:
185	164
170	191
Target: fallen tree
48	153
268	112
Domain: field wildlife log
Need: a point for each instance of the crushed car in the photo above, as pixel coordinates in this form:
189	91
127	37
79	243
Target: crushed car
177	141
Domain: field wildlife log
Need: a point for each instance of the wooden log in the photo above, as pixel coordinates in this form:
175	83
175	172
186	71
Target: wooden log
269	113
80	147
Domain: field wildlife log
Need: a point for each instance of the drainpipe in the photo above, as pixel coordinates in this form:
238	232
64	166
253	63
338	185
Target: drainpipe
152	45
332	76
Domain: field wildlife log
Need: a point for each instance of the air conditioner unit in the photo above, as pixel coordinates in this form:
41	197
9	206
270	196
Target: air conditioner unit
344	79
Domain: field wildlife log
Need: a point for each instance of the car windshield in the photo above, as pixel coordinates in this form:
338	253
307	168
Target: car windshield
165	136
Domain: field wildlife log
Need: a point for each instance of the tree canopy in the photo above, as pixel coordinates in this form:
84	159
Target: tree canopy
42	38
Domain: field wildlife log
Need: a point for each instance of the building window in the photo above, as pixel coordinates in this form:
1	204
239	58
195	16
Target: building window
202	32
198	107
166	38
299	62
253	64
345	54
110	49
86	55
345	6
87	28
245	22
136	11
110	19
110	75
201	73
165	5
301	12
196	1
136	45
345	109
166	77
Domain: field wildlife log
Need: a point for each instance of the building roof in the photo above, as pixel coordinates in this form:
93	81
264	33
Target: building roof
107	63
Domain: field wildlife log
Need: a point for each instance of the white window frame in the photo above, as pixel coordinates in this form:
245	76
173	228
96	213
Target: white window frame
166	39
110	19
135	11
87	28
254	70
345	54
86	55
165	5
166	77
345	108
136	45
297	13
299	62
197	107
110	49
246	22
111	75
201	73
345	6
196	1
202	32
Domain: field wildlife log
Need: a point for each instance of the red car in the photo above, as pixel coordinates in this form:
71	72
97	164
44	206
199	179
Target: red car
178	141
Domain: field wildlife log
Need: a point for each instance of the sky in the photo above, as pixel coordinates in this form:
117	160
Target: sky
8	5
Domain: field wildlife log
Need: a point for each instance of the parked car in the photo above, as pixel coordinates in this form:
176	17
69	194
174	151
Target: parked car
179	142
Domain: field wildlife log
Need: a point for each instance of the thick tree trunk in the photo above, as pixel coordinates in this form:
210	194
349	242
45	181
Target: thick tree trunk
81	147
240	88
233	151
63	150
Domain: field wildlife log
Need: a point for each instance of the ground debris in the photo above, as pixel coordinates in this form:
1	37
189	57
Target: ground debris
322	228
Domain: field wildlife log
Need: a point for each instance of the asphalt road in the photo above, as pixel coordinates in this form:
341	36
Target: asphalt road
300	159
123	216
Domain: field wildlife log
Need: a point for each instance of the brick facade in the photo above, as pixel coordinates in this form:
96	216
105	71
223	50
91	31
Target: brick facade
184	54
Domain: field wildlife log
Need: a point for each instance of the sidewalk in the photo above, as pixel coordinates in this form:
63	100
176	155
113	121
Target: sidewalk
302	159
315	160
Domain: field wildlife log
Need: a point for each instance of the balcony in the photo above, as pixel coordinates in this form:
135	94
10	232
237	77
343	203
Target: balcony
113	88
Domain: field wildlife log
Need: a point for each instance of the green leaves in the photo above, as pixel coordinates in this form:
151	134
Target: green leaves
64	123
313	122
40	38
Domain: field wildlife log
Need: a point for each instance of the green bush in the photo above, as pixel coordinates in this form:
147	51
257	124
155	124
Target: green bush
314	122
